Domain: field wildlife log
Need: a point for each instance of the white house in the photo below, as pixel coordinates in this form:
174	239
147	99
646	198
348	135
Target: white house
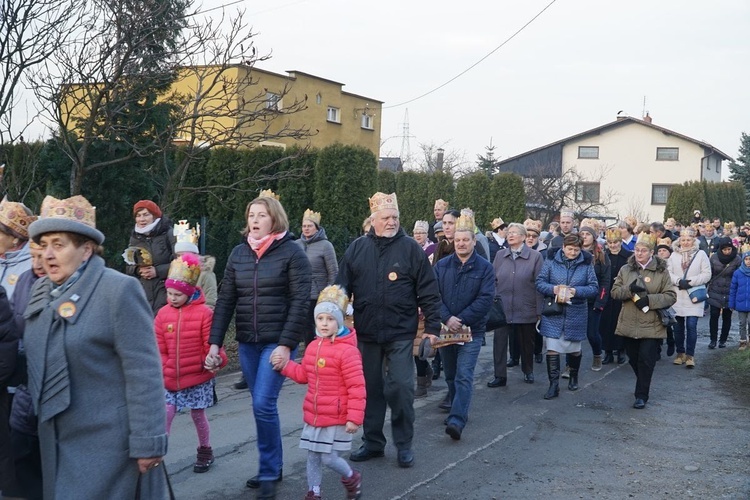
630	161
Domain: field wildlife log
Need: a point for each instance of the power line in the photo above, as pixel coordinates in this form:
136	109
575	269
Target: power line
511	37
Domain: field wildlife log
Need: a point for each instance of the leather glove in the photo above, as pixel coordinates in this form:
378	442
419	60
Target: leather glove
636	288
642	302
684	284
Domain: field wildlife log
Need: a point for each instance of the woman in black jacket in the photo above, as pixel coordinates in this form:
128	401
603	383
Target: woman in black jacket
618	257
267	284
723	265
153	233
603	269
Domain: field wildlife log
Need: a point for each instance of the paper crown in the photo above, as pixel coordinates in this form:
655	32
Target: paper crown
382	201
533	225
465	222
183	233
137	256
13	216
631	221
670	220
691	230
696	211
496	223
729	226
664	242
646	239
613	234
336	295
183	273
592	223
267	193
71	215
313	217
421	226
567	213
745	248
441	203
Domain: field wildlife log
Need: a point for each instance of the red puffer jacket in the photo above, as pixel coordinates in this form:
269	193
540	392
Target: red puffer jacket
182	335
332	370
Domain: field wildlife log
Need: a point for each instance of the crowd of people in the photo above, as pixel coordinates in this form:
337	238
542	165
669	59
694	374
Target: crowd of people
377	326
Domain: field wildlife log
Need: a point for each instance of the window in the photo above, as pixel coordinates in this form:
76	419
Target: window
667	154
588	152
273	101
368	122
660	193
318	98
334	115
718	164
587	192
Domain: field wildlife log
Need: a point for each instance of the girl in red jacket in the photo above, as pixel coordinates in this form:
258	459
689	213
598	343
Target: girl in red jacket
334	405
182	328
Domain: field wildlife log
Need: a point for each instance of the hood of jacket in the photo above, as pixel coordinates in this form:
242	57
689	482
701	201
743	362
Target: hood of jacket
208	262
319	235
657	264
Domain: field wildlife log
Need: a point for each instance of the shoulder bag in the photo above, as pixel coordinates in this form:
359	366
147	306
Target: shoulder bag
697	293
496	318
551	307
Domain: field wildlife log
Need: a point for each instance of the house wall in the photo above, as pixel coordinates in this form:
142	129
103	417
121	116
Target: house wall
628	167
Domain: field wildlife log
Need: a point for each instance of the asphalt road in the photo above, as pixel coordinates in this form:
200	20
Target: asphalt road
692	441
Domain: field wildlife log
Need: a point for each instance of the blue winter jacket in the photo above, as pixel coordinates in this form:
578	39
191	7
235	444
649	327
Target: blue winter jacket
467	290
739	291
579	274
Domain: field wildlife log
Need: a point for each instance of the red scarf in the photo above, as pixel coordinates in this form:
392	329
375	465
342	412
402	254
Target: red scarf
260	246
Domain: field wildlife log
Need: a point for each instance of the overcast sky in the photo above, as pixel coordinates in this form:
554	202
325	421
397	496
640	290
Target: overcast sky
572	69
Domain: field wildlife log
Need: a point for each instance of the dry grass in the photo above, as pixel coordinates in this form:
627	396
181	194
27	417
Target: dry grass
230	345
733	372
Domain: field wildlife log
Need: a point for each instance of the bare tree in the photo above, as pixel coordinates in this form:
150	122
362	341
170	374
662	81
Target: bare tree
547	194
453	161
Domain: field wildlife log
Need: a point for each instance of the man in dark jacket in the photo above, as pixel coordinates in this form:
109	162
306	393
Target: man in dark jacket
467	287
391	278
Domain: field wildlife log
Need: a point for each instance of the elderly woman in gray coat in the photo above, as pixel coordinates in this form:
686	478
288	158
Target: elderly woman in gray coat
94	369
323	262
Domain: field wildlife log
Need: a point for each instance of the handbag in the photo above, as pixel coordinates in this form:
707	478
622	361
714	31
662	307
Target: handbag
667	316
497	318
698	294
139	494
551	307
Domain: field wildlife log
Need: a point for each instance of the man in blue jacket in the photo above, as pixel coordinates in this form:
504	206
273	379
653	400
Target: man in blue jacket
391	279
467	287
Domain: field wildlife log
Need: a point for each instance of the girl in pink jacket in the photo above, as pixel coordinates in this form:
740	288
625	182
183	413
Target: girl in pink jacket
334	405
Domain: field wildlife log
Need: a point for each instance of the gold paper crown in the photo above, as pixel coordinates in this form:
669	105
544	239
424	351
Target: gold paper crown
382	201
76	208
137	256
311	216
646	239
567	213
745	248
421	226
592	223
496	223
186	268
671	219
465	222
533	225
13	216
729	226
441	203
664	242
336	295
267	193
613	234
631	221
183	233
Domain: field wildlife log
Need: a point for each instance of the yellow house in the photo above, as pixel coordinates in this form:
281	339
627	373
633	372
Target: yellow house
245	106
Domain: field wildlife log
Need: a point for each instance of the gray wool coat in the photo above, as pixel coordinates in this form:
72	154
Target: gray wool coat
108	409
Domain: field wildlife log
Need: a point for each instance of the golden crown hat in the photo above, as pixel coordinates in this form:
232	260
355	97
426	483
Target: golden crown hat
267	193
613	234
496	223
13	215
186	268
336	295
729	226
631	221
313	217
533	225
664	242
421	226
441	203
567	213
670	220
745	248
382	201
467	211
184	234
465	223
592	223
137	256
646	239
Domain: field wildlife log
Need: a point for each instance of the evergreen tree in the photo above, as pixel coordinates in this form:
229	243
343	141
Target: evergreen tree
488	162
740	168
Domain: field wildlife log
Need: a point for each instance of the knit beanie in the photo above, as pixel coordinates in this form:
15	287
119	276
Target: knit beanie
332	300
149	205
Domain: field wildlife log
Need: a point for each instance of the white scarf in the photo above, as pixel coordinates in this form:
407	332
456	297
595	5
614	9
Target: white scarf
147	229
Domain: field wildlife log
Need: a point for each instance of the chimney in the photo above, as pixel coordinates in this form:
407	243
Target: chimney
439	166
647	118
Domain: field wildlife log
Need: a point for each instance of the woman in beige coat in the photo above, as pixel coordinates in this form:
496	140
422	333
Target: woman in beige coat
643	282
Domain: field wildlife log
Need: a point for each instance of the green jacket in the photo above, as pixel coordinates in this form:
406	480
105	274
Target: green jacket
633	322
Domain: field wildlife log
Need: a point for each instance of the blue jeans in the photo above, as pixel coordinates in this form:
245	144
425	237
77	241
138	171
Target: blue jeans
264	384
459	362
681	345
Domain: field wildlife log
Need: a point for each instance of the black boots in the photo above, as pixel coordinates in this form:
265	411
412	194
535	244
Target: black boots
574	362
553	372
608	358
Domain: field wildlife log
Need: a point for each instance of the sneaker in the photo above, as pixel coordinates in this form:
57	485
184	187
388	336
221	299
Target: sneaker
353	485
689	362
743	345
596	365
204	459
312	496
566	372
679	359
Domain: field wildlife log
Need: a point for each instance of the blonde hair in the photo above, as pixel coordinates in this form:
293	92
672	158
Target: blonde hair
275	210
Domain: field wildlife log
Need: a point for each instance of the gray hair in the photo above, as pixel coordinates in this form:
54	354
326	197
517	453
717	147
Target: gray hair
516	225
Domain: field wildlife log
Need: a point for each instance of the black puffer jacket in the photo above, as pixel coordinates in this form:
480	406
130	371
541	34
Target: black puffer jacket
160	244
390	278
270	295
721	275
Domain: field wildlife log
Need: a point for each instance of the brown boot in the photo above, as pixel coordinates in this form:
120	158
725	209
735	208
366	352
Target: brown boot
421	390
353	485
204	459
